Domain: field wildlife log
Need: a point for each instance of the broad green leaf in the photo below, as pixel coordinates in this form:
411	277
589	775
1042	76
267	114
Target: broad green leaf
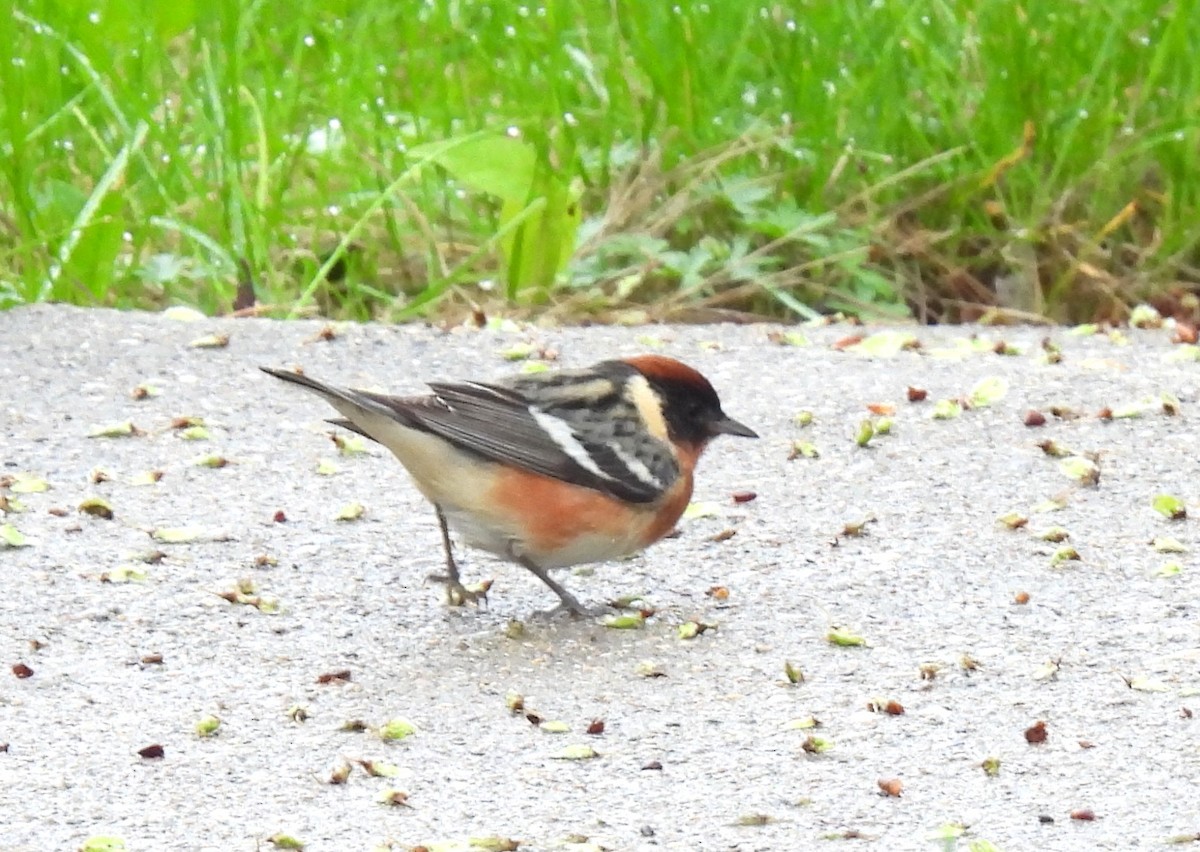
817	745
208	726
1053	504
10	536
866	431
1056	450
92	259
649	668
170	19
1081	469
804	723
988	392
379	769
97	507
1145	316
805	449
788	338
397	729
948	831
1166	544
946	409
124	574
1054	535
103	844
1184	352
691	629
1170	507
393	797
123	429
518	352
844	639
540	214
58	199
1064	554
702	509
541	233
1132	410
27	483
502	166
350	445
194	433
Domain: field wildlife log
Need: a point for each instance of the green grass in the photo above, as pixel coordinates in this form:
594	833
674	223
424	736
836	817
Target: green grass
619	159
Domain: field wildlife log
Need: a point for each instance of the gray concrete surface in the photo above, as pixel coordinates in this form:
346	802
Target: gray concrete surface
933	580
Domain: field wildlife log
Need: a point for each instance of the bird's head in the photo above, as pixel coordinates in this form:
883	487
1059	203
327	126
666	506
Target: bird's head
690	405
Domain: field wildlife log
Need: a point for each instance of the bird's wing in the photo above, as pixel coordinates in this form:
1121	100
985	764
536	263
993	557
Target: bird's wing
561	438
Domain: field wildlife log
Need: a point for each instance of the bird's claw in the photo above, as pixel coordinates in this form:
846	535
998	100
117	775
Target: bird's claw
459	595
575	609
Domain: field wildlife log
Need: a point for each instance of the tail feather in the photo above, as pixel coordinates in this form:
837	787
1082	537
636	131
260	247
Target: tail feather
304	381
354	405
352	426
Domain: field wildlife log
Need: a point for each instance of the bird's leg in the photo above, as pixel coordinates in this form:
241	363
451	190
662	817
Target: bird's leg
569	602
456	592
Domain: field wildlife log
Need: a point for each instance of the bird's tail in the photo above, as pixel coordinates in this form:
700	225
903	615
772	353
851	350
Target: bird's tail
358	407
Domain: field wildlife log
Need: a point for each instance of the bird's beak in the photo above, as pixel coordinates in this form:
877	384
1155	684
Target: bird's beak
728	426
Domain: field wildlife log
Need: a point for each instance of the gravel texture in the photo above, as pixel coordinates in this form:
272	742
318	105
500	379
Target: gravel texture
687	758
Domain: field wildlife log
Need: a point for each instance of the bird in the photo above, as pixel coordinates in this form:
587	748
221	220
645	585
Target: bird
550	469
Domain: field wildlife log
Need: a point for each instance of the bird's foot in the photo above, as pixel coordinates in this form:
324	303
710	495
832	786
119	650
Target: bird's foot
571	605
458	594
568	600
